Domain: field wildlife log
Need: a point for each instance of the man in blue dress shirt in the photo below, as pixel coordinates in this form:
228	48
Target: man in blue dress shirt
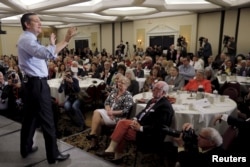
32	59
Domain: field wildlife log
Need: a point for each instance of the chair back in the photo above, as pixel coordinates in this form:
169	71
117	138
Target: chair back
100	93
232	93
91	91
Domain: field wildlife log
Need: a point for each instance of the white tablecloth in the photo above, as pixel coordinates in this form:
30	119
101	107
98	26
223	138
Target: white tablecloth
198	117
141	82
55	83
240	79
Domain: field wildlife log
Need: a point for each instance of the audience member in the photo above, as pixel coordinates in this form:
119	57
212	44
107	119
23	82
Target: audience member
175	79
186	70
243	70
228	68
145	127
139	72
208	140
151	79
134	85
171	54
117	105
209	75
93	72
12	94
231	47
60	71
196	63
240	147
70	87
206	50
107	73
194	84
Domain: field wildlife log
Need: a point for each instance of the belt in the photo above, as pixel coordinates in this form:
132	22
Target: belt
36	78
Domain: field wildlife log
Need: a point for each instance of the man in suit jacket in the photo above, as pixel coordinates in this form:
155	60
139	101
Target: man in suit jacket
139	72
175	79
146	127
171	54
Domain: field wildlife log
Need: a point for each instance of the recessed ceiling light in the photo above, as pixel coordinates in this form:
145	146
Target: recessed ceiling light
32	2
186	2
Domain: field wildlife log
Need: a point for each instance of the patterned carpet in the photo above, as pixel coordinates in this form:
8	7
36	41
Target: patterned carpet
76	136
143	160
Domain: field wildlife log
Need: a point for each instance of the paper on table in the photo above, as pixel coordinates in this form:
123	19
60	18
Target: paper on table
199	106
202	103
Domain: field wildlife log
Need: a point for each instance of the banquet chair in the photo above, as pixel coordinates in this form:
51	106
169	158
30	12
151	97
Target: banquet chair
232	89
108	130
166	155
91	101
100	93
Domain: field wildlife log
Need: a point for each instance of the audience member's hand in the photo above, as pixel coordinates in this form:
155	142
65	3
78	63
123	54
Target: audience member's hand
187	126
172	100
135	125
179	141
216	119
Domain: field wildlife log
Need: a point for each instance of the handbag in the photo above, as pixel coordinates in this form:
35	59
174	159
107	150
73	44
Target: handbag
229	137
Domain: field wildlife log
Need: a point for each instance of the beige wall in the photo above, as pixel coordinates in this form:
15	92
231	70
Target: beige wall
9	40
209	27
128	36
106	38
243	42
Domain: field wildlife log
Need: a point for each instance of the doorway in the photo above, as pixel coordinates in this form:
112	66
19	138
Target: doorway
164	40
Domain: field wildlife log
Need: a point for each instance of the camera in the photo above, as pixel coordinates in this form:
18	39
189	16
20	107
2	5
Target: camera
180	41
68	76
226	39
12	77
188	136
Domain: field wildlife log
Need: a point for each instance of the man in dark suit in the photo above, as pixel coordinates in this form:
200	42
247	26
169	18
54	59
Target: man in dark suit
146	127
172	52
175	79
139	72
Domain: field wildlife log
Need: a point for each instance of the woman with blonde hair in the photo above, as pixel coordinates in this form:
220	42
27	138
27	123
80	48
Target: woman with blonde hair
116	107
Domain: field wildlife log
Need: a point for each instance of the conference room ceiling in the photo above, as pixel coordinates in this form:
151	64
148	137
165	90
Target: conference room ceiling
65	13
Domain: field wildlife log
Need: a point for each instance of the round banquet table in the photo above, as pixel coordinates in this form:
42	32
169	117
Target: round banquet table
54	84
187	109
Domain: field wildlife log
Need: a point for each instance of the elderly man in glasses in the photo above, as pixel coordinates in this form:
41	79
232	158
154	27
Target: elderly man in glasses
145	127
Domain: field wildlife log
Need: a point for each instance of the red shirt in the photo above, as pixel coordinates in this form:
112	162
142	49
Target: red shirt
193	85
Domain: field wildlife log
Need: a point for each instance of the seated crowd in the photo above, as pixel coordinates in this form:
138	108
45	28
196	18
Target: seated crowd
177	71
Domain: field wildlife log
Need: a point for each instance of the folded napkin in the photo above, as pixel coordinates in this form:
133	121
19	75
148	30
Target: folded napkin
179	107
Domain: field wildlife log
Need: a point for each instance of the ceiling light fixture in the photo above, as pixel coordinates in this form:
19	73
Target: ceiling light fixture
29	2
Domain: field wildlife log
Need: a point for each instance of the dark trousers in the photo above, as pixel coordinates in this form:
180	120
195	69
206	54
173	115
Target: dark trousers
38	111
